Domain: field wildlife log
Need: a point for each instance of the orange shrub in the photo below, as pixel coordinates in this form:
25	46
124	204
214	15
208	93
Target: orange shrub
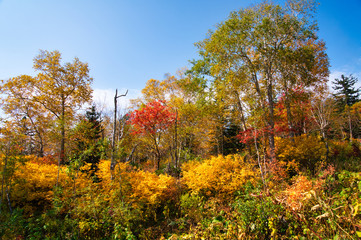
296	195
217	176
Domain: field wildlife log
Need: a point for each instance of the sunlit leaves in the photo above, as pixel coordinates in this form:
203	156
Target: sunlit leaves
152	118
218	176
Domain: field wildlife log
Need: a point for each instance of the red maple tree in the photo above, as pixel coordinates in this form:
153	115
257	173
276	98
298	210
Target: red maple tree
151	121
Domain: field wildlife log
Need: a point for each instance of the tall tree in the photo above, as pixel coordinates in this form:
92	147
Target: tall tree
255	42
60	89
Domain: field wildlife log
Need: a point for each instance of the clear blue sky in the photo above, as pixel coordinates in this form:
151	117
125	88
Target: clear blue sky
127	42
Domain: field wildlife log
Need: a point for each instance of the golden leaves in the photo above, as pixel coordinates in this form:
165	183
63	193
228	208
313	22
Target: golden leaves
218	175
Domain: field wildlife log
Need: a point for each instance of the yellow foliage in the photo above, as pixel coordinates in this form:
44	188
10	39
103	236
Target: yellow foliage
34	183
137	186
150	188
217	176
302	151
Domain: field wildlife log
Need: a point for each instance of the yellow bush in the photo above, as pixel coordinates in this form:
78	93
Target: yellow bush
137	186
34	184
150	188
303	151
217	176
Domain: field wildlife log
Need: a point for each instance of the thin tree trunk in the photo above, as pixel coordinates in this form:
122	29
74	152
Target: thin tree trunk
326	143
176	140
113	162
8	198
271	123
3	179
62	143
157	153
258	157
112	165
350	124
289	114
62	147
243	120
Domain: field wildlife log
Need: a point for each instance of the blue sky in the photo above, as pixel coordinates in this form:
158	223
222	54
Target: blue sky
128	42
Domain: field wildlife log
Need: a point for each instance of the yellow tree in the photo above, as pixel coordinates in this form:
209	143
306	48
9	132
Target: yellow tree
257	42
27	115
59	89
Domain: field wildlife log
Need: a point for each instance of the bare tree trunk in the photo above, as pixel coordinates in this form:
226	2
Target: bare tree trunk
113	162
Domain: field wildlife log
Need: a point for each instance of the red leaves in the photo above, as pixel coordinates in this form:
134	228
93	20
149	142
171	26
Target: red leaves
250	134
155	116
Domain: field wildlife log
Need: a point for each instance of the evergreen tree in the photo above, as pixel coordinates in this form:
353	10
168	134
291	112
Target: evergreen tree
346	93
88	138
94	135
93	117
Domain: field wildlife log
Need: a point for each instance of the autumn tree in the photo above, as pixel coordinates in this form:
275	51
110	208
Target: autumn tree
252	47
321	110
27	115
57	90
151	121
195	131
61	89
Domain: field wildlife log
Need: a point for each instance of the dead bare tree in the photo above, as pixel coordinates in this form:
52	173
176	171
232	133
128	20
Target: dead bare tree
113	162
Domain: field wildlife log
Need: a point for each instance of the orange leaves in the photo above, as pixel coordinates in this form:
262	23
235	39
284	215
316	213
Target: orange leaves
218	175
298	193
